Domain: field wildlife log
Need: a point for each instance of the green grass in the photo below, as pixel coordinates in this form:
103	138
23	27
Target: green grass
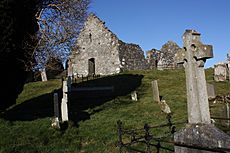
92	128
36	89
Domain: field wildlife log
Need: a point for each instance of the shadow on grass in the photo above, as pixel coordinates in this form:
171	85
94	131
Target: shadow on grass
80	101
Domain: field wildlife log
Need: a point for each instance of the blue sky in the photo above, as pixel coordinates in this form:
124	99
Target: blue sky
151	23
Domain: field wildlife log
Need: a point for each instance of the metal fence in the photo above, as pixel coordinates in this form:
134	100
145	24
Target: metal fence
146	139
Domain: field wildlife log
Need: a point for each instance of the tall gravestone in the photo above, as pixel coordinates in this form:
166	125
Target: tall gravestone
55	121
64	102
43	74
156	95
193	56
70	69
199	135
211	91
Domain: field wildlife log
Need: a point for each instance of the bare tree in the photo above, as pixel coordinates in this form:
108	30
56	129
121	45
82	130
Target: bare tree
59	25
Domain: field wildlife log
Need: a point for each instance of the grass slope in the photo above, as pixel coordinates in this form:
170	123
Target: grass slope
92	129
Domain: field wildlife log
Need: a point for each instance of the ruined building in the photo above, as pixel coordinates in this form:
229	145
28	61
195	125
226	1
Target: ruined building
99	51
167	58
153	57
163	58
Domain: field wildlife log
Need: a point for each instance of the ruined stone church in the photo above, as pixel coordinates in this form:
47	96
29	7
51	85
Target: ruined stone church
99	51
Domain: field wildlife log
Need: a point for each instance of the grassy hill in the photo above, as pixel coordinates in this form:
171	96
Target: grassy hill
26	127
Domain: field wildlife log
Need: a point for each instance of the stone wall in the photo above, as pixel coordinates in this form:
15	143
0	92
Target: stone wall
153	57
167	58
132	57
99	43
99	51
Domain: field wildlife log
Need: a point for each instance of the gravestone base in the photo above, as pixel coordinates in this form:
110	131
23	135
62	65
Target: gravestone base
201	138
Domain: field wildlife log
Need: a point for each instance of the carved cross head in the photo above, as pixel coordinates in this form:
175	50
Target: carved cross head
194	46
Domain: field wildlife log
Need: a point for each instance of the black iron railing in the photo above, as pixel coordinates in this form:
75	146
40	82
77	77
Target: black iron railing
129	139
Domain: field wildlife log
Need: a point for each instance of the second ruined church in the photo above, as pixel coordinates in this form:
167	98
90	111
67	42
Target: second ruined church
99	51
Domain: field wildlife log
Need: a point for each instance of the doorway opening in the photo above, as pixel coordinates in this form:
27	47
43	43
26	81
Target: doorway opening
91	66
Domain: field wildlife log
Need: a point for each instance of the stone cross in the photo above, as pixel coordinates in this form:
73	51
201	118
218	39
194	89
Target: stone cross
193	56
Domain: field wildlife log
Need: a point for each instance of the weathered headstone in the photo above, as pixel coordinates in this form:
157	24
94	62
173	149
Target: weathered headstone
199	135
43	74
70	69
55	121
64	106
226	111
211	91
134	95
69	82
165	107
221	72
56	105
156	96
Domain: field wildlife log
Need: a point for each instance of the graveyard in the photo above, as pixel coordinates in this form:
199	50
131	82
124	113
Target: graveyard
93	77
92	125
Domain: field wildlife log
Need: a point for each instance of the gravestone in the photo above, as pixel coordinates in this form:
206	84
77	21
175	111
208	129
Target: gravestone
226	110
221	72
70	69
69	82
55	121
199	135
64	106
156	96
43	74
226	113
165	107
134	95
193	56
211	91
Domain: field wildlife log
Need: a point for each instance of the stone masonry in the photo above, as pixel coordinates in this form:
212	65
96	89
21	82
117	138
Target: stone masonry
222	70
167	58
153	57
163	58
99	51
